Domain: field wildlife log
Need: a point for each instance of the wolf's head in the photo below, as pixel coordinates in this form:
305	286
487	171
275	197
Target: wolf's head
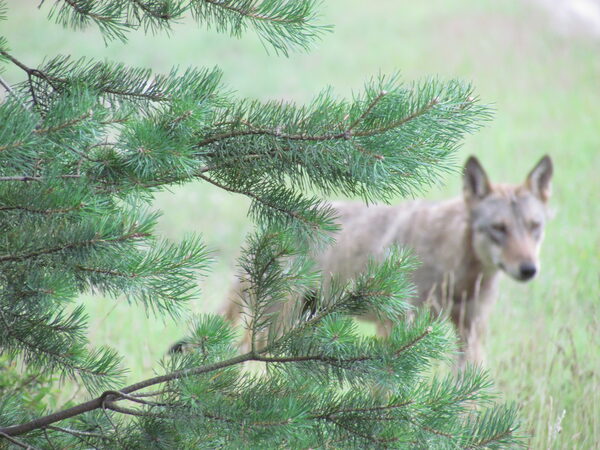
507	221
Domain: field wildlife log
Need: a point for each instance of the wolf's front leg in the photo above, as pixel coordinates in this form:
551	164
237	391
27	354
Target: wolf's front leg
470	327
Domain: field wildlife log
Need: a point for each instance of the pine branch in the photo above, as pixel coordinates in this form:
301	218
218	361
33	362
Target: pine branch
362	146
135	399
77	433
98	402
84	145
5	85
159	12
92	368
71	246
33	178
281	24
54	323
44	212
248	11
16	62
368	438
111	396
62	126
113	81
253	196
161	278
344	135
17	442
108	16
342	362
367	410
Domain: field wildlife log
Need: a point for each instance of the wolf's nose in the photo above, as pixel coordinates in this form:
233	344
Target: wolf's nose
527	270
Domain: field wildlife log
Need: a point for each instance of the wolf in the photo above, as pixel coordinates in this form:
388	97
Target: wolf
463	245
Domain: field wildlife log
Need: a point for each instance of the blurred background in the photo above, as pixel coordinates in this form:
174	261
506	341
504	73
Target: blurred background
535	61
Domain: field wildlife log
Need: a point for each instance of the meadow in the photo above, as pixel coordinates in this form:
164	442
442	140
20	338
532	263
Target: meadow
543	345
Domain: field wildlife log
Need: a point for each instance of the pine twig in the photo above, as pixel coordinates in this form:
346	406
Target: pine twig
367	437
34	178
10	91
6	86
250	13
347	134
40	211
76	433
366	112
48	251
251	195
118	395
107	399
132	412
48	439
15	441
100	402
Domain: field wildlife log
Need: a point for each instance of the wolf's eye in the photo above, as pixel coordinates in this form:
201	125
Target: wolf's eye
535	225
498	233
499	228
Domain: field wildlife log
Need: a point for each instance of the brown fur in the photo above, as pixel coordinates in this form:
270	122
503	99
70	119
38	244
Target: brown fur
462	243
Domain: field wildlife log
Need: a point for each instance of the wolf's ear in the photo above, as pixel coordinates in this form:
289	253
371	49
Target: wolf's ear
475	181
538	180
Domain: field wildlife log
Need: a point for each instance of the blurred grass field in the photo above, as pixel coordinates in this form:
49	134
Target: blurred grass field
544	341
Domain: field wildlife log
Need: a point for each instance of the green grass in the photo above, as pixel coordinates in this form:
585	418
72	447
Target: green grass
544	341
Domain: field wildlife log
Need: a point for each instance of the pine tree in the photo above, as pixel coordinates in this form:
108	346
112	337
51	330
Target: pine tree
85	144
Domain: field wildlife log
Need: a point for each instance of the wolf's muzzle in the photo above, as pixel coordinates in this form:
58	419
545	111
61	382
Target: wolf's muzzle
527	271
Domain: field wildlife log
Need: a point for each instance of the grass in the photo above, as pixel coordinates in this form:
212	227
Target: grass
544	341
